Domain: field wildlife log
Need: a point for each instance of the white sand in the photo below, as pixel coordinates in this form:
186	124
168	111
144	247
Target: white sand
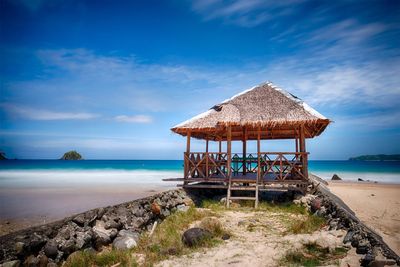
377	205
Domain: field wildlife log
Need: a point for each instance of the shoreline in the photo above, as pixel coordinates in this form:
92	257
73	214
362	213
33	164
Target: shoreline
22	208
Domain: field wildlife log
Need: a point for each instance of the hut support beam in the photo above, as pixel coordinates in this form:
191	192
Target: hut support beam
304	159
186	167
244	141
258	164
207	170
229	152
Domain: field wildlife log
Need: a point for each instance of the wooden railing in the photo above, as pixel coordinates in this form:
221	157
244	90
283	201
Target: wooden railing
267	165
205	165
283	165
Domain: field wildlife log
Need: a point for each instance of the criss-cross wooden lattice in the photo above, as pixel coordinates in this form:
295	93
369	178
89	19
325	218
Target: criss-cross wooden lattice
278	167
205	165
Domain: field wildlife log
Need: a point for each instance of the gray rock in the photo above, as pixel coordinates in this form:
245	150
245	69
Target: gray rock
367	260
315	204
195	236
226	236
79	220
165	213
363	247
130	233
182	207
83	239
360	180
31	261
68	246
101	235
347	238
137	222
335	177
124	242
43	260
112	224
51	249
19	248
36	242
15	263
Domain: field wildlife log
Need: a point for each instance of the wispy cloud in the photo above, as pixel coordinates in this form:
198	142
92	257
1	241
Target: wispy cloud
134	118
44	115
245	13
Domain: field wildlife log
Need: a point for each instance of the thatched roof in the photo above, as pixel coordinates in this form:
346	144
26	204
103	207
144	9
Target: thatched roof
276	112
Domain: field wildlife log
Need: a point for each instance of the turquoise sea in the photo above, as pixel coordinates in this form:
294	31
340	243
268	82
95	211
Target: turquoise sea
57	172
53	189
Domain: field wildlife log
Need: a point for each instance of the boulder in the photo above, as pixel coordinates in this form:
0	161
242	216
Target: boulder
43	260
315	204
112	223
127	241
101	235
133	234
335	177
68	246
15	263
360	180
19	248
51	249
36	242
194	236
363	247
79	220
182	208
83	239
31	261
188	202
155	208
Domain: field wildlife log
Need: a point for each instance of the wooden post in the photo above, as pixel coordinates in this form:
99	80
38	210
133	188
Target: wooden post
186	162
258	164
304	159
207	170
244	150
229	149
229	152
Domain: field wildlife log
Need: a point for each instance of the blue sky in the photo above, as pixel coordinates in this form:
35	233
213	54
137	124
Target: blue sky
110	80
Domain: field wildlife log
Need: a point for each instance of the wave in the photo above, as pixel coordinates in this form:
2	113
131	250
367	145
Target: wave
24	178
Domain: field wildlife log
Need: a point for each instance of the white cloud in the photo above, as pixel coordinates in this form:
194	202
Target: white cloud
134	118
45	115
245	13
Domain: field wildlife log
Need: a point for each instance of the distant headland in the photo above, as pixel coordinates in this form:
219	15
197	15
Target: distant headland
71	155
380	157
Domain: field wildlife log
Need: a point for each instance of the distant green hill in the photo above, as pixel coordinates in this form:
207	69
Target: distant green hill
380	157
2	155
71	155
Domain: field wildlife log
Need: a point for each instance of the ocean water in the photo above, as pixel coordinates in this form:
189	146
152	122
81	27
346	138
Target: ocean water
31	173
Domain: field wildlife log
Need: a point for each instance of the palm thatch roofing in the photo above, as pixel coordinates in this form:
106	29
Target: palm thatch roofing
266	107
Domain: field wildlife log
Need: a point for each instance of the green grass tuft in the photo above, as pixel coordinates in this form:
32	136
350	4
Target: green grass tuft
313	255
310	224
83	259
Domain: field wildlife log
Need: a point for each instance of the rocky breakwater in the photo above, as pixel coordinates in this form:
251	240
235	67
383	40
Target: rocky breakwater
119	226
340	217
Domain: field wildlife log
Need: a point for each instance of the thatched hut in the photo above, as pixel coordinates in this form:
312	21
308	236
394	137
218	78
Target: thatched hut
260	113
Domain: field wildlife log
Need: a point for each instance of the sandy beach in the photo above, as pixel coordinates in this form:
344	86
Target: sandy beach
25	207
375	204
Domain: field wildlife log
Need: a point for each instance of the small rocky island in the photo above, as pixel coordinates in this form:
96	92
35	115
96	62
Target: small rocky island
2	155
71	155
